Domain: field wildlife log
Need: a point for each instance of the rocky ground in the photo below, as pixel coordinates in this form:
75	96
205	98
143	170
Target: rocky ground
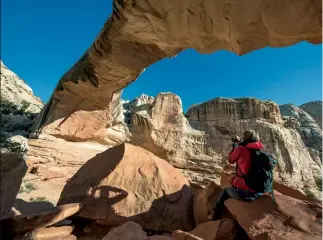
163	182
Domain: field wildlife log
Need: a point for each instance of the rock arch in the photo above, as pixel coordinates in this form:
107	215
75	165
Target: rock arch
85	103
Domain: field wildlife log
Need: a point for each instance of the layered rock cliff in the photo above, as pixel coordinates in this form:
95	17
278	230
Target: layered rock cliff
15	90
19	109
307	127
199	142
310	133
315	110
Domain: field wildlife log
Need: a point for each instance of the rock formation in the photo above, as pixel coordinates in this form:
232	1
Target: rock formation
199	143
128	230
130	107
307	127
310	132
19	108
212	230
85	101
128	183
289	219
315	110
15	90
13	169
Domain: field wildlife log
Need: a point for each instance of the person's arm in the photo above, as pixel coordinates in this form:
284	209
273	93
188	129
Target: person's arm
234	155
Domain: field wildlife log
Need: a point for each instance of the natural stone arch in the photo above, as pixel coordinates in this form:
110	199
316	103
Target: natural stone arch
85	103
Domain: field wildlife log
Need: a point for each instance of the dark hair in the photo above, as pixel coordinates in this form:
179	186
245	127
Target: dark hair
250	136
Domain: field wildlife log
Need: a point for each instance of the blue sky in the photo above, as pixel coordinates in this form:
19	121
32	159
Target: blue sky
41	40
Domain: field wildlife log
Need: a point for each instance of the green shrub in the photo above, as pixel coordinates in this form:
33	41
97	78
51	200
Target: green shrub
310	194
318	182
10	145
8	107
27	187
37	199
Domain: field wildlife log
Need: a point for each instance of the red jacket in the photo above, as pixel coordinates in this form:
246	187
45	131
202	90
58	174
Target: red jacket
242	156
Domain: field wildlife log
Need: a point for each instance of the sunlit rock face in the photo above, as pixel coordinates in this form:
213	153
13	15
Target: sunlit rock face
200	142
315	110
19	108
86	101
309	131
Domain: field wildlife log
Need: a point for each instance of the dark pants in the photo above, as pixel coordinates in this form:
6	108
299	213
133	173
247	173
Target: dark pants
232	192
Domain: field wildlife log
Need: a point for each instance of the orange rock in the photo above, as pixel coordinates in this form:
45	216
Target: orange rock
45	218
128	183
290	219
288	191
216	230
13	169
213	230
204	202
51	233
127	231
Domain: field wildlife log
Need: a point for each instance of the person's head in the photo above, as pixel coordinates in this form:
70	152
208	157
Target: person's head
250	136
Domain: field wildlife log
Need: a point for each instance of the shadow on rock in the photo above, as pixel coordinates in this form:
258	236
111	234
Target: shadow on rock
26	208
129	183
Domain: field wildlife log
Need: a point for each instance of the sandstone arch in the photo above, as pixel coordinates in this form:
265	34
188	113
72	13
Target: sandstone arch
84	105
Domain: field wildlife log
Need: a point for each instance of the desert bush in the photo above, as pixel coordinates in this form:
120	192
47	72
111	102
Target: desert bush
8	107
37	199
10	145
27	187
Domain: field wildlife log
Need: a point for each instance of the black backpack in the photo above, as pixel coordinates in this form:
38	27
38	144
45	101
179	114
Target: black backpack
260	175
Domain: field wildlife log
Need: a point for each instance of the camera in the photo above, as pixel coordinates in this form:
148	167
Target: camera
235	139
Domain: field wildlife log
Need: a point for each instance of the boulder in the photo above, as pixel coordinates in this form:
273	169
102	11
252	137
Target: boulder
43	218
291	192
212	230
289	219
216	230
128	183
127	231
51	233
204	201
13	169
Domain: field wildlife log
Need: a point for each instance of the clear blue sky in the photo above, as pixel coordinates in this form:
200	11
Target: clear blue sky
41	40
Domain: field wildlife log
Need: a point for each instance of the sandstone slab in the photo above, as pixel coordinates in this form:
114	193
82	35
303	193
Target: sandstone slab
51	233
43	218
290	219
